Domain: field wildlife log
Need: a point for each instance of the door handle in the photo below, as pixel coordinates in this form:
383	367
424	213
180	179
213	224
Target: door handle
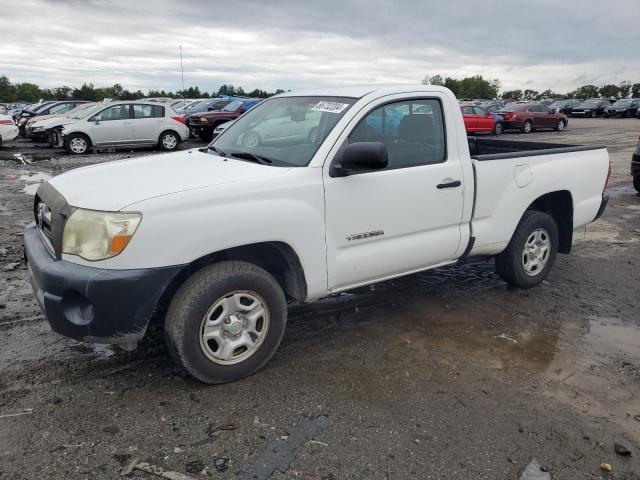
451	184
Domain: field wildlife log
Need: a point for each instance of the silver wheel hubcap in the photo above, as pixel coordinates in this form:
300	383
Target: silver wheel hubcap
78	145
527	127
234	327
561	125
169	142
535	255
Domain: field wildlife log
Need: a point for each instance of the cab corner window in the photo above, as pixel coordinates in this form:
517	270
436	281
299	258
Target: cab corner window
412	131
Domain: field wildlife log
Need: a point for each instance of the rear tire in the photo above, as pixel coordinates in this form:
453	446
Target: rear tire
636	183
498	129
168	141
527	127
77	144
528	258
594	114
207	319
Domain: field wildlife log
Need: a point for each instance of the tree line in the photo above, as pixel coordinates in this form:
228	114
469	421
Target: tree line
478	87
30	92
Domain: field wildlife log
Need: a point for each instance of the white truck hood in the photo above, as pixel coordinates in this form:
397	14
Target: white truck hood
115	185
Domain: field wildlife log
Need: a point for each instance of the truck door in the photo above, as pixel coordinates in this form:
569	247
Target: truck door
402	218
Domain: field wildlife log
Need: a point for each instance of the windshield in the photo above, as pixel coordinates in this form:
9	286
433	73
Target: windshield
196	105
622	103
282	131
590	103
86	112
233	106
41	106
516	107
559	103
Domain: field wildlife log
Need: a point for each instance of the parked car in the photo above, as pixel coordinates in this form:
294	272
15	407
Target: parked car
124	124
29	110
594	107
51	108
635	168
527	117
202	124
479	120
565	106
206	105
626	107
8	129
492	106
224	237
35	126
221	128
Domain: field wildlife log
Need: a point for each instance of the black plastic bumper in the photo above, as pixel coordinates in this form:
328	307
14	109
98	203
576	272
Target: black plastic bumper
93	304
603	205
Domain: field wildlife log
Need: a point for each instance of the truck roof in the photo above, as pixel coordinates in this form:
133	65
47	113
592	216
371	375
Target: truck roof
359	91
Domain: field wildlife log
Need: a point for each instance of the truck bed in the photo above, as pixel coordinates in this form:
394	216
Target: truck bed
493	149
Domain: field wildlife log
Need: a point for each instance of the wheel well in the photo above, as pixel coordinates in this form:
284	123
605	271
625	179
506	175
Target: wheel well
82	134
168	130
277	258
560	206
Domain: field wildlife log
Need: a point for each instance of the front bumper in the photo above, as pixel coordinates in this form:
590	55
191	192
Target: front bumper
94	305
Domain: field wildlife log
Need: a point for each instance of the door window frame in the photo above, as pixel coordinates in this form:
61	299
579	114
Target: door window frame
338	155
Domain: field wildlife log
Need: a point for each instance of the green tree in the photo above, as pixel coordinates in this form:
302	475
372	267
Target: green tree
586	91
529	94
635	90
609	91
512	95
624	89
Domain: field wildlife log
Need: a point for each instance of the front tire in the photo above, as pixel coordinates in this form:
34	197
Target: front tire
561	125
527	127
168	141
77	144
528	258
226	321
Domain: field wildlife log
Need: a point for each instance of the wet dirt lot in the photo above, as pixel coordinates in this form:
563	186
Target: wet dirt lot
447	374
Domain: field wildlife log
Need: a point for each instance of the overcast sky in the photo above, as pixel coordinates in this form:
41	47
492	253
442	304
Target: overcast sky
274	44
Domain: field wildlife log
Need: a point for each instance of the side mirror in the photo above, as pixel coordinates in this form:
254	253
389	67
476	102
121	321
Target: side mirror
361	157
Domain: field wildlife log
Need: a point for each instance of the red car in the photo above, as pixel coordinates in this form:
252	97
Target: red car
479	120
527	117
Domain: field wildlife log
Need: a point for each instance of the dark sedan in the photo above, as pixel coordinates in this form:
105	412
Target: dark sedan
565	106
527	117
627	107
594	107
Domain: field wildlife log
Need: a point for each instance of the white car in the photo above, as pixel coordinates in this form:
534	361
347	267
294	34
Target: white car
124	124
221	239
8	129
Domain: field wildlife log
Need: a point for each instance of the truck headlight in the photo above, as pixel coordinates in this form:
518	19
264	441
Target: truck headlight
94	235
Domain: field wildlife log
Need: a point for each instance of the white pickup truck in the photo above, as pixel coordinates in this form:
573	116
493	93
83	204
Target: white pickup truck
350	186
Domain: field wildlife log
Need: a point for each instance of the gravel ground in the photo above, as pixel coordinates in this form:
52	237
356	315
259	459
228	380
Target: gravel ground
447	374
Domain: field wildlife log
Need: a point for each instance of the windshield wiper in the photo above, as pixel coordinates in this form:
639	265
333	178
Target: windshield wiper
252	157
217	150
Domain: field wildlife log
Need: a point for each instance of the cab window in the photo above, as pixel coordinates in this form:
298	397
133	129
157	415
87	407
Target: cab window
412	131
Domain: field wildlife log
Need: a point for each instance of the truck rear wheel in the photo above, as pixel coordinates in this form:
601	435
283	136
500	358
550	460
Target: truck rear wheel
226	321
528	258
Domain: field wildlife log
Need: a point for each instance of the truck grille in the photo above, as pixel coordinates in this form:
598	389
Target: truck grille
43	222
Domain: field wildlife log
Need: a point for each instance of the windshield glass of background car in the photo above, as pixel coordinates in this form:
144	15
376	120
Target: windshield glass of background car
622	103
233	106
287	131
591	103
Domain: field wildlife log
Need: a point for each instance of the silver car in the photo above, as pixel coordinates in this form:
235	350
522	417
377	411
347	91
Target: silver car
124	124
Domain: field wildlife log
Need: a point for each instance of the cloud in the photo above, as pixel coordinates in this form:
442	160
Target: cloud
285	44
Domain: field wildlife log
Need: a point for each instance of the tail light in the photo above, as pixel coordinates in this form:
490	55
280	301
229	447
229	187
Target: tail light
179	119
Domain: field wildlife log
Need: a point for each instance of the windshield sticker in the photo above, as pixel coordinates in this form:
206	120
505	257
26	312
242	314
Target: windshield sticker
329	107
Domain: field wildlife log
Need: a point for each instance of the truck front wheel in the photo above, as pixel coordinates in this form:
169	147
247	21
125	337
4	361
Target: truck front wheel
528	258
226	321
